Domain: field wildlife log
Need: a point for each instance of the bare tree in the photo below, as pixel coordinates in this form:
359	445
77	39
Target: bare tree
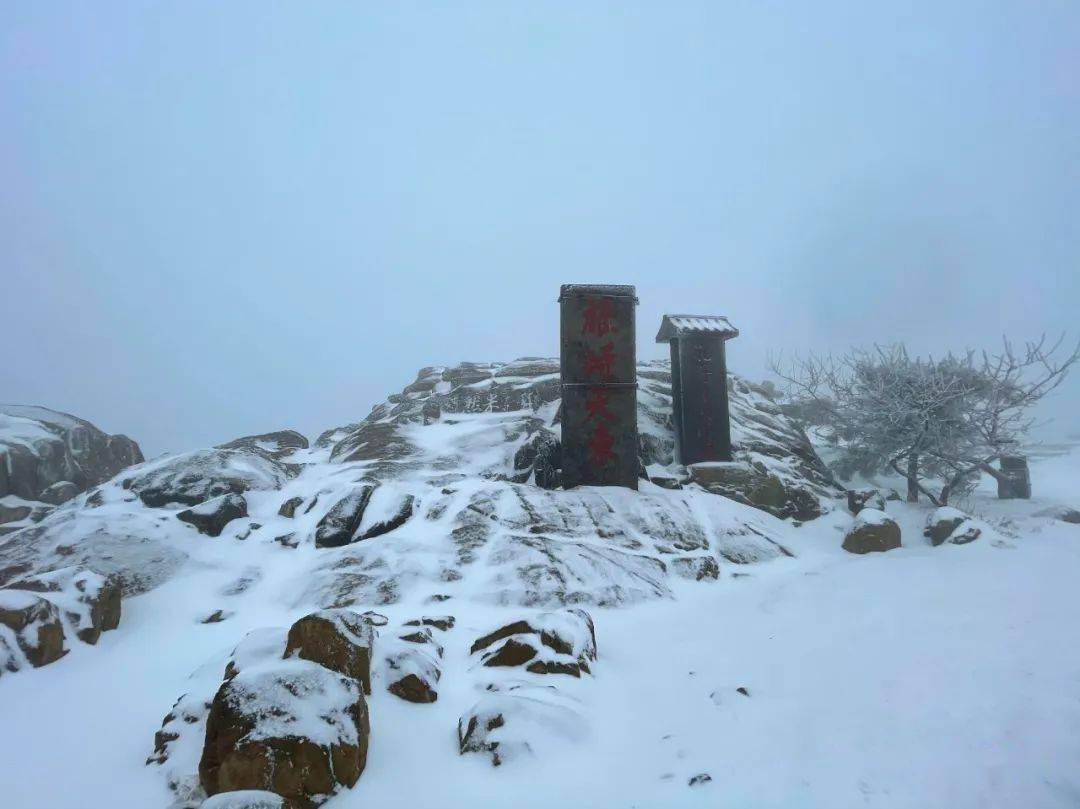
945	420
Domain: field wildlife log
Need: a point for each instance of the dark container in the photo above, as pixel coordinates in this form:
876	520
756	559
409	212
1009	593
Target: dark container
598	352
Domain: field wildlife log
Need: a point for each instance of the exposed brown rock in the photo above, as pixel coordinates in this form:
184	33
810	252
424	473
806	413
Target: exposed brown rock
339	639
256	733
872	532
36	624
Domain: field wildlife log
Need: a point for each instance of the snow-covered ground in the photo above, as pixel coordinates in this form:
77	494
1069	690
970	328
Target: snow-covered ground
922	677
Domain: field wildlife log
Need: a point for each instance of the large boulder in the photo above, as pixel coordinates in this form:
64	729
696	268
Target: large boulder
562	642
539	460
90	601
41	448
59	493
277	444
753	484
291	727
872	531
339	639
339	524
195	477
211	517
518	720
34	625
947	524
521	443
412	671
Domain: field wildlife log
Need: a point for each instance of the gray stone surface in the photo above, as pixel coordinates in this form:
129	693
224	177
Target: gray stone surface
40	448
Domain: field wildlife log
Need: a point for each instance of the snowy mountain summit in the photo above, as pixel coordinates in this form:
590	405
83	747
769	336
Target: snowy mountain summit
415	590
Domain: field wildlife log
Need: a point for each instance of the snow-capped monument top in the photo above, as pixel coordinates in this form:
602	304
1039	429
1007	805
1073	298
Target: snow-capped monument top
673	326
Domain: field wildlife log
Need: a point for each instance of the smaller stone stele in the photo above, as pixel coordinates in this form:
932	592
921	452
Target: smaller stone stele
872	531
339	639
699	410
1014	479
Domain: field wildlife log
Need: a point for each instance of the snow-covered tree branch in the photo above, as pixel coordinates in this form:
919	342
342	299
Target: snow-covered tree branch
939	423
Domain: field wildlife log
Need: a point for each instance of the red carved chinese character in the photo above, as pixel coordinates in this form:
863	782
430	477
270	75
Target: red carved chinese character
597	404
601	444
600	362
599	317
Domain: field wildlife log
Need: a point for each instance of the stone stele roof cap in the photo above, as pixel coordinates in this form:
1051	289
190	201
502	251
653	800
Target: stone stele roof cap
602	290
677	325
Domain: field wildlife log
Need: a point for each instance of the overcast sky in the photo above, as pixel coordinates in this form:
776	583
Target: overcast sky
226	218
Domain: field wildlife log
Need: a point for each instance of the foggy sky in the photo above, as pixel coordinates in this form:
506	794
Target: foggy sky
226	218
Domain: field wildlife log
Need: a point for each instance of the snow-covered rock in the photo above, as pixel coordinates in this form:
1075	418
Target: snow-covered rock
211	516
562	642
90	602
948	524
278	445
194	477
31	630
858	499
340	640
291	727
521	719
872	531
412	668
50	456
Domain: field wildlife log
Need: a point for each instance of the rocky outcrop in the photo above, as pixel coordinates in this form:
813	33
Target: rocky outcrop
783	473
858	499
413	671
339	525
562	642
288	508
277	445
947	524
752	483
519	719
34	631
90	602
341	640
211	517
42	614
291	727
539	460
872	531
369	510
412	663
195	477
59	493
51	456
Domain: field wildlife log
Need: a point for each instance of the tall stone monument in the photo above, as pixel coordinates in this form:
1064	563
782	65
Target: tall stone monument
699	385
599	385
